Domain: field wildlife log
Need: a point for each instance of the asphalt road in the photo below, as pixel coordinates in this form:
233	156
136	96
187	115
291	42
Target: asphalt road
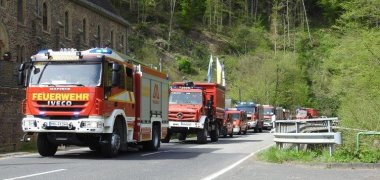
226	159
175	160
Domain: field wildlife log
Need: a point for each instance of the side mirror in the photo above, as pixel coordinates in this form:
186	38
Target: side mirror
21	75
115	74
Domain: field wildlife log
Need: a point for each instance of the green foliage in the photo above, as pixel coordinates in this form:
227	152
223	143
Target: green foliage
184	65
341	155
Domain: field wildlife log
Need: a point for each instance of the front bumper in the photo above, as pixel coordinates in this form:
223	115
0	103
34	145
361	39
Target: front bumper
82	125
236	130
252	125
185	124
267	124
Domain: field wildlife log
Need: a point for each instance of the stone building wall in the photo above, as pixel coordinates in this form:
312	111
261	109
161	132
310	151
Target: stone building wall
20	38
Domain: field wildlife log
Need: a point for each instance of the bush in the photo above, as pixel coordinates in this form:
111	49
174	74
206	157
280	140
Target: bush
184	65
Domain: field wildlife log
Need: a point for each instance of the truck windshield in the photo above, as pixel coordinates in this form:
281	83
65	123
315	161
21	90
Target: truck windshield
185	98
234	116
248	109
66	73
268	111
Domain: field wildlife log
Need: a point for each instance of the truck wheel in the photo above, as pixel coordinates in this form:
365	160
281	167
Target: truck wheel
45	148
182	136
224	132
113	142
215	133
260	129
154	144
202	134
232	134
245	131
256	129
95	147
168	137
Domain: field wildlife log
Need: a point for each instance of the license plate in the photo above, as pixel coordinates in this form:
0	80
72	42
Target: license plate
58	123
186	123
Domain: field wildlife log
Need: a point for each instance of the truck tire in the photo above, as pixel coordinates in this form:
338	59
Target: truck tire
153	144
261	129
167	138
113	142
224	132
256	129
232	134
214	135
246	130
202	134
95	147
45	148
182	136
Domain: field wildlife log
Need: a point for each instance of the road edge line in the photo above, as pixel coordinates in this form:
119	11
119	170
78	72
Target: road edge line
36	174
217	174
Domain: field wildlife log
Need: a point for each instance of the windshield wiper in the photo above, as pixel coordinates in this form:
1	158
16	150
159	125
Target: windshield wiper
42	72
48	84
76	84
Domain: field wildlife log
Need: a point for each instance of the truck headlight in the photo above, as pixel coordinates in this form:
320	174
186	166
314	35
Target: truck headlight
30	123
91	124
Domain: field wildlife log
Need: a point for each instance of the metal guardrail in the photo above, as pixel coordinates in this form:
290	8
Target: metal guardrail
304	132
364	133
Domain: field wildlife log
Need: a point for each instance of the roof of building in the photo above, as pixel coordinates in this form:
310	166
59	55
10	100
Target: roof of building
105	4
103	7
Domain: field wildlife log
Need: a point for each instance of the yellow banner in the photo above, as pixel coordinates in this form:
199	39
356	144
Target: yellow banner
60	96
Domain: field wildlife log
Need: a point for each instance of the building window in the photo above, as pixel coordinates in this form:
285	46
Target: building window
37	7
67	25
99	36
112	40
20	54
84	29
20	11
45	17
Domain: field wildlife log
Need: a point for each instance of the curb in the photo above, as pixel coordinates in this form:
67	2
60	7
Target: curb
346	165
15	154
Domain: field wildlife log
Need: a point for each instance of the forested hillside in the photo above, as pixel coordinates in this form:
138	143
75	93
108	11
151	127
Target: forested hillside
315	53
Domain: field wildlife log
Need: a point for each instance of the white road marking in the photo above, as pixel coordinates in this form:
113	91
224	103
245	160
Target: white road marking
217	174
37	174
155	153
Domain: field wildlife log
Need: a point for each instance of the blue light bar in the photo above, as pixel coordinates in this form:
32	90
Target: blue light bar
101	50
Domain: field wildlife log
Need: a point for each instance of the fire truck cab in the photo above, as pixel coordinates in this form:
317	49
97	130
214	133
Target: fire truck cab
97	98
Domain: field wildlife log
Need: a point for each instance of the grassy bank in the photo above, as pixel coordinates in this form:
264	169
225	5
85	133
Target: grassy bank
341	155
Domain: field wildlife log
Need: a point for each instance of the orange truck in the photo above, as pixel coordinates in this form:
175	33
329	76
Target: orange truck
97	98
269	116
240	121
196	108
254	121
306	113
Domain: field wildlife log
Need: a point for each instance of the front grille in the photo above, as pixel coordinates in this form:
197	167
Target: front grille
60	109
185	116
73	103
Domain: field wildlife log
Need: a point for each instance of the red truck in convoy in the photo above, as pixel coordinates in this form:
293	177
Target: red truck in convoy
239	118
269	116
306	113
252	110
97	98
228	126
196	108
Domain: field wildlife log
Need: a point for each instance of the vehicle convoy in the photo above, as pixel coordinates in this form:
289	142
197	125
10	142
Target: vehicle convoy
97	98
239	118
196	108
254	122
306	113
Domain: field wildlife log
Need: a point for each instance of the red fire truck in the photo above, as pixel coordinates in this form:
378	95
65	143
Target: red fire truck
240	121
97	98
196	108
